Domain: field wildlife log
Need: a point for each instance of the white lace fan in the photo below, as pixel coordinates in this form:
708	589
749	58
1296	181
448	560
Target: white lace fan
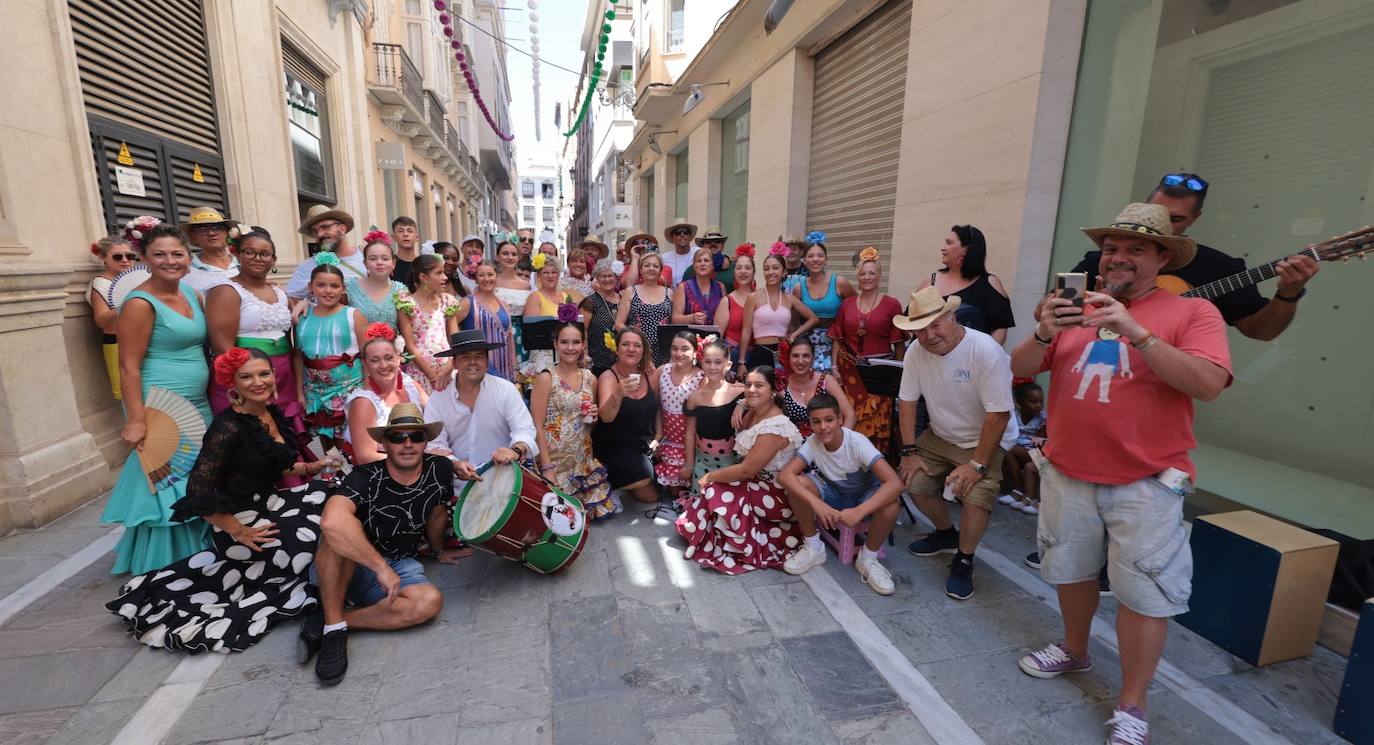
175	430
124	283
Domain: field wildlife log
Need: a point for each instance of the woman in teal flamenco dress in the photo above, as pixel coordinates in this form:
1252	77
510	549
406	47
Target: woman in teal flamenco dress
165	328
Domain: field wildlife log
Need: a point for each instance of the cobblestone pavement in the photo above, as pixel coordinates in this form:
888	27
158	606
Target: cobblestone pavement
632	645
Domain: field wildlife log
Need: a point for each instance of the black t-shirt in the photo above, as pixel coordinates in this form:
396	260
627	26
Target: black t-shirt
394	514
1208	266
402	272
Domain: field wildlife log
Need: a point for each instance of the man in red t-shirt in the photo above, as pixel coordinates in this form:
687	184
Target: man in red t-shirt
1125	367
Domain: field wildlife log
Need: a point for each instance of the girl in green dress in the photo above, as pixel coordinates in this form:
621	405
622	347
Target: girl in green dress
327	364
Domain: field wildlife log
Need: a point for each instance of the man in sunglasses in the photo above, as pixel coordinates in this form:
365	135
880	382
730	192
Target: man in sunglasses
524	241
682	235
483	417
208	232
371	532
714	241
1183	194
634	247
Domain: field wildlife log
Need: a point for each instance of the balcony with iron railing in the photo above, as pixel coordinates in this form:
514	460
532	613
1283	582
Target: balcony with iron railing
434	115
394	79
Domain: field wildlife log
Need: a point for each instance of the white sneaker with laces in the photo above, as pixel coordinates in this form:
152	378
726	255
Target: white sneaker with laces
1129	727
875	575
803	559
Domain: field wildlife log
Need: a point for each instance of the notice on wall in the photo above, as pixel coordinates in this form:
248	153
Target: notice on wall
129	181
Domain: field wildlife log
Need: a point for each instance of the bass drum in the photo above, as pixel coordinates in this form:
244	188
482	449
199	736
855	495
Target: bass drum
516	515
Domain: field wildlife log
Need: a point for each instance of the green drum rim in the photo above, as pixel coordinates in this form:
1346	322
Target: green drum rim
500	521
553	551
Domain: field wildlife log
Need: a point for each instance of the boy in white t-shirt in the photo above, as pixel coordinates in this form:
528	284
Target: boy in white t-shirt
849	482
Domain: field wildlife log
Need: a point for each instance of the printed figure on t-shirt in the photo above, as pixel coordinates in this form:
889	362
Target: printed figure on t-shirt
1100	361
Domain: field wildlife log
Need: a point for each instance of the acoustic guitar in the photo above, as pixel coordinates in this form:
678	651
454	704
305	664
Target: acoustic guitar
1342	247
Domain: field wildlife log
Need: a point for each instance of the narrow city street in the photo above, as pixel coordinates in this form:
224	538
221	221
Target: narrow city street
631	645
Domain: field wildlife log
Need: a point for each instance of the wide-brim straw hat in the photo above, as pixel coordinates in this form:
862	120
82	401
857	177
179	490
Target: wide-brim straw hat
203	216
319	212
602	250
925	306
1151	222
650	237
681	223
712	234
406	415
469	340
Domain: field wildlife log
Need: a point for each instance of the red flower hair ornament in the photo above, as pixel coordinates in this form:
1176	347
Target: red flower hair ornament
228	364
376	236
744	249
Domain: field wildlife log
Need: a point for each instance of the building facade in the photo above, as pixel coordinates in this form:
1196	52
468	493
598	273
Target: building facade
256	108
885	122
540	194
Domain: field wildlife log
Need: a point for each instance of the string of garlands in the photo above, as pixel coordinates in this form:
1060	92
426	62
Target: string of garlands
534	61
597	70
456	44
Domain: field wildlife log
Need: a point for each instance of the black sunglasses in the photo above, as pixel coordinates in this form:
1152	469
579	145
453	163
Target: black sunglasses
124	257
1189	181
682	231
416	436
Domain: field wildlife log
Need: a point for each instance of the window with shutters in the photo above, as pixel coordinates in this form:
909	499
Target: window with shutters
151	115
548	216
308	120
529	214
676	28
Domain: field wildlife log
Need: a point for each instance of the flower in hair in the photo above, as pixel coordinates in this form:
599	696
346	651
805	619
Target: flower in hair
380	330
538	260
376	236
702	341
815	236
778	249
867	254
618	267
744	249
135	229
608	340
567	312
229	363
327	258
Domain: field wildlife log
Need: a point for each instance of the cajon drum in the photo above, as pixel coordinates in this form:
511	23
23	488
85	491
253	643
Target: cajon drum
1355	708
1259	585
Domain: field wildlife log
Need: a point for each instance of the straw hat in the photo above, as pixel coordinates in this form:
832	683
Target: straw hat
641	235
713	234
924	307
1151	222
203	216
406	415
681	223
602	250
319	212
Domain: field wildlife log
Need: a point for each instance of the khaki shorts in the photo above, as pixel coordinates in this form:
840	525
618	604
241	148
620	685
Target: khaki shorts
942	458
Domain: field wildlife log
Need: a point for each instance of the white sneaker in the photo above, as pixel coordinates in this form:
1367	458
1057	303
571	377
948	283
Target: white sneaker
803	559
1016	505
875	575
1029	508
1006	499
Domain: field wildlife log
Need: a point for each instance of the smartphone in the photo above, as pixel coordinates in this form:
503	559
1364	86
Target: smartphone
1071	286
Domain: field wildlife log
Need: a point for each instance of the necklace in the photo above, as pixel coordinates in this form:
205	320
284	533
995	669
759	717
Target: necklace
768	296
863	314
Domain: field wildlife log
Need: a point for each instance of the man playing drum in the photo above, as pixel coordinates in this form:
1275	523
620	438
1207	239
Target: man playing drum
483	416
371	530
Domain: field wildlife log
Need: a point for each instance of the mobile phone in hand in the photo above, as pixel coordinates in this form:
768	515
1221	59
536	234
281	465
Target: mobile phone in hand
1071	286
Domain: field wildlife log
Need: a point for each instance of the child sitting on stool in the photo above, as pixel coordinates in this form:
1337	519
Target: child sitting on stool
848	482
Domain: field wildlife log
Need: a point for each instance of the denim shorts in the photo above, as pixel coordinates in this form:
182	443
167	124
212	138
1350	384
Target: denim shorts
363	588
1136	528
841	501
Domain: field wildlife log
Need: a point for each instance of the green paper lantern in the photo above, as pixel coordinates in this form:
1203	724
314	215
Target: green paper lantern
606	27
610	15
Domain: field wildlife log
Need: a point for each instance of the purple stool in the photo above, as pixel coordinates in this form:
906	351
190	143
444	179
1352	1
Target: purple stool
845	546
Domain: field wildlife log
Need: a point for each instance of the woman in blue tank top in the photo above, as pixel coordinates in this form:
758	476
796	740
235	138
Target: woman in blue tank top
822	291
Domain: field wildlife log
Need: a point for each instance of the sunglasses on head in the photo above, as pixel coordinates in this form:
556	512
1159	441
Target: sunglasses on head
124	257
1188	181
416	436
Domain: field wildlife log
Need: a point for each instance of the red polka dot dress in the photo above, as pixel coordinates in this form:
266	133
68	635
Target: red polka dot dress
672	453
740	526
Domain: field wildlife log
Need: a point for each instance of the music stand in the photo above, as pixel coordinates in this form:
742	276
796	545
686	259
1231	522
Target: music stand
667	331
880	379
539	333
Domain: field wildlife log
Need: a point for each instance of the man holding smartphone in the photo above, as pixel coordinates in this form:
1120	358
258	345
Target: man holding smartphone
1118	466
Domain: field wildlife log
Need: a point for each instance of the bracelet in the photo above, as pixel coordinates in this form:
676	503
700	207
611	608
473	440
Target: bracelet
545	468
1042	342
906	450
1146	341
1284	298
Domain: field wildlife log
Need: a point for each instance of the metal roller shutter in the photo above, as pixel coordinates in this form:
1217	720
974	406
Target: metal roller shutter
302	67
856	132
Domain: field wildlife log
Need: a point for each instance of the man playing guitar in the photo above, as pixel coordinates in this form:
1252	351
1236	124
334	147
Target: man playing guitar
1252	314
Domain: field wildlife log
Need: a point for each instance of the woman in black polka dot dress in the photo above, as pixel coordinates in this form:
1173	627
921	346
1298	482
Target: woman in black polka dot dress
255	574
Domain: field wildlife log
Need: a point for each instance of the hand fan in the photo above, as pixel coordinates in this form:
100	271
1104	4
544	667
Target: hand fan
124	283
175	431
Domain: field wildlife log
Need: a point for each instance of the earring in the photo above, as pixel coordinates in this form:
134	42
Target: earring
274	392
234	397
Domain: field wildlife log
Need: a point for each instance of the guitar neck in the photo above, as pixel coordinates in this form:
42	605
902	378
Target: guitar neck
1239	281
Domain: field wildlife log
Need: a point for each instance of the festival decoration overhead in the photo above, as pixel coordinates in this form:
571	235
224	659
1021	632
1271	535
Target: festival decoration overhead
597	71
534	61
446	21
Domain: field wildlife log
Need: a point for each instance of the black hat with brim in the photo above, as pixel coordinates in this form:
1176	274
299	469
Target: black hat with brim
468	340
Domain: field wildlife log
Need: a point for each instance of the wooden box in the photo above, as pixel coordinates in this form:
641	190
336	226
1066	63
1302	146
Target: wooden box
1355	709
1259	585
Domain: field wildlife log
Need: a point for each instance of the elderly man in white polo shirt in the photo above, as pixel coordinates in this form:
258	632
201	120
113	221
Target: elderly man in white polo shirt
965	377
483	415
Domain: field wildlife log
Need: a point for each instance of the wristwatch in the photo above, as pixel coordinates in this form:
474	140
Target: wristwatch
1286	299
979	467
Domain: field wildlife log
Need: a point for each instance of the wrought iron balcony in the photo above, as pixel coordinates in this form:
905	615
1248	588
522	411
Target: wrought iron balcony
394	79
434	115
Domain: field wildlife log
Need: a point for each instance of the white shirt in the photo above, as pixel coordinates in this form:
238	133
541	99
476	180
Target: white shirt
299	285
961	387
849	467
204	276
678	263
497	420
